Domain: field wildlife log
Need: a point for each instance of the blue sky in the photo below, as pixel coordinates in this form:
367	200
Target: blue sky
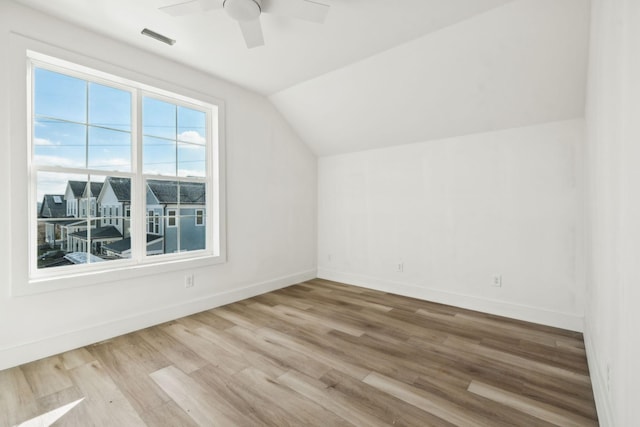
79	124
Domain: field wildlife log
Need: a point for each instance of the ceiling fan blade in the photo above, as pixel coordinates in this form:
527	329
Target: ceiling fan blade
252	32
211	4
306	10
192	6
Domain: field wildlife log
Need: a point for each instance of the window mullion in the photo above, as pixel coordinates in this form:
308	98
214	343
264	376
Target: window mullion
176	140
138	220
86	127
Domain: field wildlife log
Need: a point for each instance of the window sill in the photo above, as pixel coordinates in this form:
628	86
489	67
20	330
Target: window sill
122	273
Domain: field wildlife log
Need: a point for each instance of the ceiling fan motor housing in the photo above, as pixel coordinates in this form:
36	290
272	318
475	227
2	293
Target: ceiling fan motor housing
243	10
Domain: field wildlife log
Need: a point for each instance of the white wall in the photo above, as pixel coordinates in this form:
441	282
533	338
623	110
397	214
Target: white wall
271	209
458	211
613	204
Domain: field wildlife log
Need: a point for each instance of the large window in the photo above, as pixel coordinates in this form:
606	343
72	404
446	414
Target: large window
127	172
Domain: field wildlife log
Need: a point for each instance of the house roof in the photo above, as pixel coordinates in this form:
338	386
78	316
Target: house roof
167	191
95	188
121	188
124	245
107	232
53	206
67	221
82	257
78	188
58	262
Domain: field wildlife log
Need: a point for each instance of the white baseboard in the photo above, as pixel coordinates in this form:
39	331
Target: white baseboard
30	351
598	382
541	316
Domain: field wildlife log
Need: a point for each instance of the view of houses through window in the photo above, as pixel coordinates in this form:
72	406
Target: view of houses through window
86	171
175	218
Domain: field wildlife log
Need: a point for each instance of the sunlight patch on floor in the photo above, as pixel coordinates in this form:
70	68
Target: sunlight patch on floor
46	419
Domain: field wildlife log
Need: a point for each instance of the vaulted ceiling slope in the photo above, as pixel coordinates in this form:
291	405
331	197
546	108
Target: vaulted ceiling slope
519	64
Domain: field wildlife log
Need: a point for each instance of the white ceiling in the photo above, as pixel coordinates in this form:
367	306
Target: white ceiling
520	64
295	50
379	72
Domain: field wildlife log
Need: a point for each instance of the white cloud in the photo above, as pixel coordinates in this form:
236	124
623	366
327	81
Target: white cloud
192	136
56	183
49	183
191	172
112	163
41	159
44	141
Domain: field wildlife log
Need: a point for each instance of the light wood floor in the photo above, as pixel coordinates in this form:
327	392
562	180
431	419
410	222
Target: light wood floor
318	353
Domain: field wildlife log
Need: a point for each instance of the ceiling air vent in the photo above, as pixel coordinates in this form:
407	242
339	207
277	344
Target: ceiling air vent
158	36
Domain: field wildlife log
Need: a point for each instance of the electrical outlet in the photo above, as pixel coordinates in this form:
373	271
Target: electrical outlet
608	379
189	281
329	257
497	281
400	267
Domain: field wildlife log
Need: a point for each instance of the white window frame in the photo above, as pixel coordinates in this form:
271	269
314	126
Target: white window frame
45	280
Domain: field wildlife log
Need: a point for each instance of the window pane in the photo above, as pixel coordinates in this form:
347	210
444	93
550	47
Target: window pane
192	126
60	96
187	236
155	244
191	160
109	107
115	221
58	143
159	156
158	118
171	239
66	187
192	193
155	231
69	230
185	199
192	235
53	238
109	149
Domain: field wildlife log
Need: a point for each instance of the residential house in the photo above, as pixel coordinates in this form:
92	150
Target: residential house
74	194
176	218
80	201
114	202
52	208
92	239
176	210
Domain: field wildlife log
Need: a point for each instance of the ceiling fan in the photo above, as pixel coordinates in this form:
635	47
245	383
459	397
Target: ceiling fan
247	13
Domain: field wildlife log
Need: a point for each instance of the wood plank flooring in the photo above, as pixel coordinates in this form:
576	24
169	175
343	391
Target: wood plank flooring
317	353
